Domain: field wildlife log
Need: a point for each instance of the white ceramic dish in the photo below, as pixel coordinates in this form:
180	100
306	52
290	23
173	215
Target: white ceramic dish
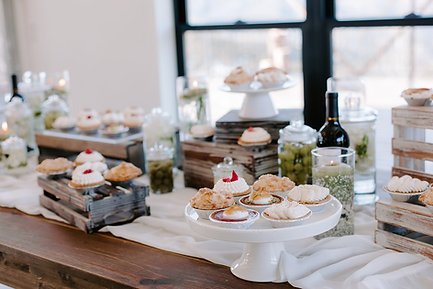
316	207
258	208
413	101
204	214
260	259
402	197
245	224
285	223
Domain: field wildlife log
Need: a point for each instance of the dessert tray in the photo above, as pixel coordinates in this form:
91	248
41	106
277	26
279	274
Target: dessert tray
257	103
263	244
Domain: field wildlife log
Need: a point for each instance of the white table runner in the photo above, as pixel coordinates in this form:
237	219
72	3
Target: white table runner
346	262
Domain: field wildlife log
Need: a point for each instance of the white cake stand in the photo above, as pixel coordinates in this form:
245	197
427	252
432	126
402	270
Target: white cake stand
257	103
264	244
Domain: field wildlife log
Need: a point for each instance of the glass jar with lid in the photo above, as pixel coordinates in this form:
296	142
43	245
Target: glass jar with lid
53	108
225	168
294	151
160	168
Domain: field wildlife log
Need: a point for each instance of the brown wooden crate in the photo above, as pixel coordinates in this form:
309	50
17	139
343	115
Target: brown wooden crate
413	116
200	156
397	171
404	227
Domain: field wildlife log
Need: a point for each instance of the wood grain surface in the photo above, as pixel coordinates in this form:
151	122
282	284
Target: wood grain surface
38	253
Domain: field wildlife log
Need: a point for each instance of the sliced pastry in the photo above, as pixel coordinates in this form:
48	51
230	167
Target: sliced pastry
54	166
122	173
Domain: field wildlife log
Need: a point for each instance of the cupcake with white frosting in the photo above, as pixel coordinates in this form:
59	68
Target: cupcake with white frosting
286	214
235	185
88	121
254	136
96	166
133	117
234	217
90	156
271	77
86	179
112	118
403	188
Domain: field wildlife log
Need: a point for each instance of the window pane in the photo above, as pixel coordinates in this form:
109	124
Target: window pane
395	58
373	9
210	12
215	53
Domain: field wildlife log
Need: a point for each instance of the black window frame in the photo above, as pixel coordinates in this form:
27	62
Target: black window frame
316	45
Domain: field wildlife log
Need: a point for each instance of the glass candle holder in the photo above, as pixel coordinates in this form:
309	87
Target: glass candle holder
193	102
333	168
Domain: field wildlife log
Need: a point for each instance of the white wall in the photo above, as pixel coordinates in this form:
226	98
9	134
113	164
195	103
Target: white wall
112	48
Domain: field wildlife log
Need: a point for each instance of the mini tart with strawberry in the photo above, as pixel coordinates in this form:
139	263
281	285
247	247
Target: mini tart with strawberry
89	121
89	156
254	136
86	179
235	185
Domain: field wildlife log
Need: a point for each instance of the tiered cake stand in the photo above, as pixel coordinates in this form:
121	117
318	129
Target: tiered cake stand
257	103
264	244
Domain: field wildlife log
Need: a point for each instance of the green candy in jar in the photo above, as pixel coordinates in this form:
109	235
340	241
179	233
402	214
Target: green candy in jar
160	169
294	152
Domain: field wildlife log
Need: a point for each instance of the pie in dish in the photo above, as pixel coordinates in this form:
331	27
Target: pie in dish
122	173
239	79
308	194
271	77
417	96
89	155
254	136
208	199
273	184
54	166
234	185
86	179
427	197
235	217
260	200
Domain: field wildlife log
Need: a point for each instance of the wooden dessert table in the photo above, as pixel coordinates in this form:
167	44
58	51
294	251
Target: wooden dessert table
40	253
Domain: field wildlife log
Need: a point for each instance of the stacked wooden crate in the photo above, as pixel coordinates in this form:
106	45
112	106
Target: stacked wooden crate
402	226
200	157
91	209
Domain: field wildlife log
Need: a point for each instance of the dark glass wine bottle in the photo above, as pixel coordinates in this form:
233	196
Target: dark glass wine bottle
15	92
331	134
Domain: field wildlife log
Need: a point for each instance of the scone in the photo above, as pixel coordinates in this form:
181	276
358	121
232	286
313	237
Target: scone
254	136
208	199
234	185
122	173
88	155
54	166
86	179
239	79
271	77
202	131
273	184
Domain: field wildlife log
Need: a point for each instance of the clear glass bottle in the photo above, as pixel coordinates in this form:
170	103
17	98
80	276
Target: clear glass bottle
225	168
160	168
294	152
360	124
53	108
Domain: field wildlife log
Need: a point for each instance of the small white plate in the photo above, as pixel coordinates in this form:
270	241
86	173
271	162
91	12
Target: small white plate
286	223
402	197
245	224
84	188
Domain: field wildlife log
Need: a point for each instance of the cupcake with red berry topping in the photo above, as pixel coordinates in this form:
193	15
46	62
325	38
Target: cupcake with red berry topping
88	121
88	178
133	118
235	185
254	136
90	156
